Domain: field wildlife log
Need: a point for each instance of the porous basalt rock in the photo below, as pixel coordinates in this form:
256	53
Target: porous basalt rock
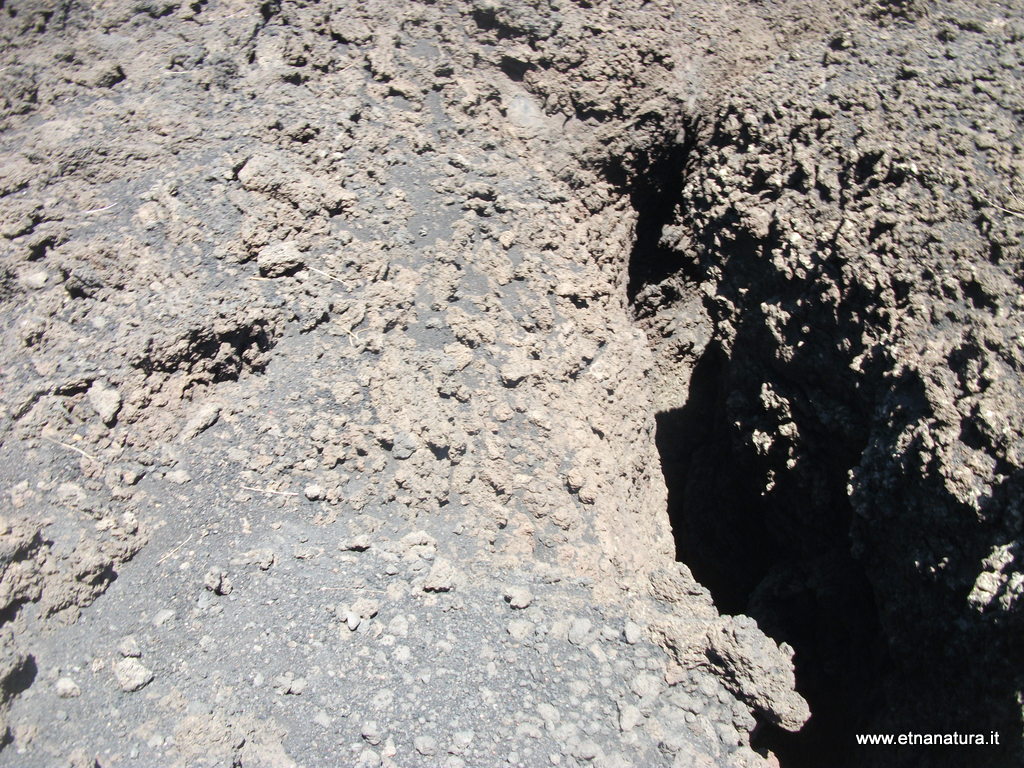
848	439
370	310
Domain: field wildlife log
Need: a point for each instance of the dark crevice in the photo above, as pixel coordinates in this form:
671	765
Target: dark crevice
692	460
10	612
269	10
803	587
784	556
37	251
216	357
441	452
487	20
654	196
19	679
103	577
514	68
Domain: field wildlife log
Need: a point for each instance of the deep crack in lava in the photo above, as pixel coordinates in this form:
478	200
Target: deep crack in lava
807	590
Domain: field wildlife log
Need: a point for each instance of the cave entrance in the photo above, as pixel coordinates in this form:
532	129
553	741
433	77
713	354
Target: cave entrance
820	602
793	573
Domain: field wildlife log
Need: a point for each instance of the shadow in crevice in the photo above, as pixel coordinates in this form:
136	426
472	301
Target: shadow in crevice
20	678
781	556
698	470
812	595
655	194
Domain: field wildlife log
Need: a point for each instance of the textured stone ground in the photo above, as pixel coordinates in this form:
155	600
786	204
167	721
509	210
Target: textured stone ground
337	337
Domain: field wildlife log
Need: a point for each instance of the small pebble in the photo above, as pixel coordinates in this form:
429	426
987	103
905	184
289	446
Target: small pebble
67	688
178	476
371	733
460	742
629	717
425	745
520	629
35	279
132	675
129	647
632	633
518	597
216	580
359	543
441	578
580	631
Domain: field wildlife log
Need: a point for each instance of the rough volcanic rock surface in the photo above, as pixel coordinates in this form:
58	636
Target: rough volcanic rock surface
336	338
847	239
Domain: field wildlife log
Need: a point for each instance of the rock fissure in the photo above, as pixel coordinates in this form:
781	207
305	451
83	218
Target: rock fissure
721	519
777	397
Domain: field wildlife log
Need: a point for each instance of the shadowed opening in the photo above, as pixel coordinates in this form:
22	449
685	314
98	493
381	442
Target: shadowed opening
755	555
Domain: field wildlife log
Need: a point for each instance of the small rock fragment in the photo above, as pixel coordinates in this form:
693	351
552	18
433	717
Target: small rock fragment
204	418
216	580
365	608
425	745
549	714
129	647
132	675
629	717
399	626
520	629
82	759
287	684
758	671
368	759
518	597
371	732
263	559
178	476
106	401
104	75
35	280
322	719
417	544
67	688
359	543
460	742
314	492
442	577
586	750
646	686
279	260
513	373
404	446
632	633
306	552
579	632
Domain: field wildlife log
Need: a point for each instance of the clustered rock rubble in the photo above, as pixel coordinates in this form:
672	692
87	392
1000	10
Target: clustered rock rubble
337	337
